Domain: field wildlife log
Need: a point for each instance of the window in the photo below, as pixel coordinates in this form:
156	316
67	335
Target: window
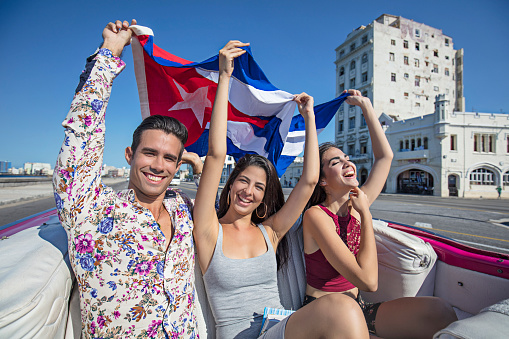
365	94
393	77
352	65
400	145
352	83
391	101
393	42
435	53
419	143
340	126
482	176
341	87
435	88
391	56
507	150
405	94
426	46
351	123
425	142
341	53
416	62
506	178
484	143
405	60
352	47
405	44
447	71
417	81
426	63
341	71
407	144
417	104
363	121
364	59
364	77
405	75
446	57
417	32
435	68
446	42
364	148
412	144
417	46
454	142
364	39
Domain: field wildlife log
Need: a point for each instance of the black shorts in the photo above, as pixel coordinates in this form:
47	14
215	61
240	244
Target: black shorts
368	309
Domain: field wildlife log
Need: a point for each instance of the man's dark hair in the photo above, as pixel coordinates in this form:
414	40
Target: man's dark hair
166	124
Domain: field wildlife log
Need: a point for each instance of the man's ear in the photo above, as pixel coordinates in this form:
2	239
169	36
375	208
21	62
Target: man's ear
129	155
178	166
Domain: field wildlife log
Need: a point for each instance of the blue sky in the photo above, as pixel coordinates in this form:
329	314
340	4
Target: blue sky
46	43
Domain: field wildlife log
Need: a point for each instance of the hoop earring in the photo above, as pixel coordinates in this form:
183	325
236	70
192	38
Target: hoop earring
256	211
228	199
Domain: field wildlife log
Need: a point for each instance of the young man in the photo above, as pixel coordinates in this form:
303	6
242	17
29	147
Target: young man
132	251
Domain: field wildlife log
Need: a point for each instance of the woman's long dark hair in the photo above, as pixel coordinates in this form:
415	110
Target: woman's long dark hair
319	195
273	198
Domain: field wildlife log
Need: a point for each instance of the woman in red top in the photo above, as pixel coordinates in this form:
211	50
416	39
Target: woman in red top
339	242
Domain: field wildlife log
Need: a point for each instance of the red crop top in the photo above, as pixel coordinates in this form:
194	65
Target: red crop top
319	272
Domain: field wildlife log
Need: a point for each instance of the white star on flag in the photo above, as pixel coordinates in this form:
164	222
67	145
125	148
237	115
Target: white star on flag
196	101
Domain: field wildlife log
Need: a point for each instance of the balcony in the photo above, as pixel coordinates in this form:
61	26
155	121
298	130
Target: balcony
407	154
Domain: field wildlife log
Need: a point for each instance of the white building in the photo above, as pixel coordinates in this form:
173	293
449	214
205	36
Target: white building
37	168
463	154
229	165
400	65
293	173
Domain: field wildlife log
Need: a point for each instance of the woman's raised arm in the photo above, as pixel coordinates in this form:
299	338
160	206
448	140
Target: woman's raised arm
204	213
381	148
283	220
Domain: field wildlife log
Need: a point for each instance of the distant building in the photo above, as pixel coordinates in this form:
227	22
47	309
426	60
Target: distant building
37	168
293	173
5	166
449	153
400	65
229	165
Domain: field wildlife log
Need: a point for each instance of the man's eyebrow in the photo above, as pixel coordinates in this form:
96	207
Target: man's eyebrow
169	155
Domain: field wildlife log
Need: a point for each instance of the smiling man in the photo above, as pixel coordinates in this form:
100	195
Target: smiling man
131	251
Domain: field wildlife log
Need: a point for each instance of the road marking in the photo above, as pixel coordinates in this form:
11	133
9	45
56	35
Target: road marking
500	222
471	235
453	207
423	224
482	245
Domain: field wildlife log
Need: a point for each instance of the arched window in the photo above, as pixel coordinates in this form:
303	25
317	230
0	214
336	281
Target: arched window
400	145
341	71
482	176
506	178
425	142
419	143
413	144
352	64
364	59
407	144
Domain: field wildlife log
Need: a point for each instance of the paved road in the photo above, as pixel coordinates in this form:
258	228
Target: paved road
479	223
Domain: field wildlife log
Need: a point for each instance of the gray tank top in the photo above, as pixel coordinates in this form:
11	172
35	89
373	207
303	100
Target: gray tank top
239	289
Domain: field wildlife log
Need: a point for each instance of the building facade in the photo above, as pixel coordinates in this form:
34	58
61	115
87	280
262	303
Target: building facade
401	65
449	153
293	173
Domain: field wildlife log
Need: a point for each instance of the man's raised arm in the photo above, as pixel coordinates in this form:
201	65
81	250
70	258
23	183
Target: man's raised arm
77	175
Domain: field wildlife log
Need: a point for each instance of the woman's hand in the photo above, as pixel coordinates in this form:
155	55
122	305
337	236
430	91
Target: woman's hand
355	98
226	55
359	201
305	103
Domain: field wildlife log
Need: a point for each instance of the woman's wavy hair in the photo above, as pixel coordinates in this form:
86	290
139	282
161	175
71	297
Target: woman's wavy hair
319	195
273	198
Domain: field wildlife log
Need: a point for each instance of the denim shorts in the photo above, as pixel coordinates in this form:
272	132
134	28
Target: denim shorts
368	309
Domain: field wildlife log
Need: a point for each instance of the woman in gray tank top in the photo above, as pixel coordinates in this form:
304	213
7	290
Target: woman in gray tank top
237	245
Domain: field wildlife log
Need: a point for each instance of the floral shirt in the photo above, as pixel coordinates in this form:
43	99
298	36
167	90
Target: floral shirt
129	284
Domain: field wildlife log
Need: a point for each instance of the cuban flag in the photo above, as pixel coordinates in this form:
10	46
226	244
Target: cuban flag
260	116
